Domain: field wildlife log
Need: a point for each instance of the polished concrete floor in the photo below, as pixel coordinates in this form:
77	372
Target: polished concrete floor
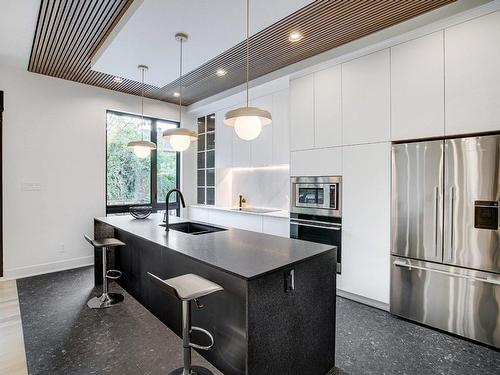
62	336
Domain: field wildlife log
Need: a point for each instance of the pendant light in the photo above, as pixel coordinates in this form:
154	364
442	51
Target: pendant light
142	148
180	138
248	121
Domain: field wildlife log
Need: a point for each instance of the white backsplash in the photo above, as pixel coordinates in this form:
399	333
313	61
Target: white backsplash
262	187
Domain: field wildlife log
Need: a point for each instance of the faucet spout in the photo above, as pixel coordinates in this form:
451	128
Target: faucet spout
167	198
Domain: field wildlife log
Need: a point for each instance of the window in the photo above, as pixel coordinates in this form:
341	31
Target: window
206	159
132	181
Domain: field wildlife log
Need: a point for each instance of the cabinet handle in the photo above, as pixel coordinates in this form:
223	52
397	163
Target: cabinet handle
314	226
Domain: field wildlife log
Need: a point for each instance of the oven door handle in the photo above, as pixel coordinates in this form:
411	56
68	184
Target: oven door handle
315	226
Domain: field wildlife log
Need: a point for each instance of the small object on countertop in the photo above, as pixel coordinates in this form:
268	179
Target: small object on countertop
141	212
242	200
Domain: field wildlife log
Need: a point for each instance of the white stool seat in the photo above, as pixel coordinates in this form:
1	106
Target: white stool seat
190	286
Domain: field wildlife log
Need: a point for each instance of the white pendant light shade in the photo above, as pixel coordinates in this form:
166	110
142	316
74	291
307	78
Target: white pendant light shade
248	121
180	138
142	148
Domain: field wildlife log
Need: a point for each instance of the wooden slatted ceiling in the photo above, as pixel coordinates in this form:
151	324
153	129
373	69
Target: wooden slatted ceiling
68	33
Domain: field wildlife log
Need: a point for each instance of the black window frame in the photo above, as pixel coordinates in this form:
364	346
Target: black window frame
157	206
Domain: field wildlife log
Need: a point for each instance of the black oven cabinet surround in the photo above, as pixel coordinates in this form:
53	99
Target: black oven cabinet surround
263	323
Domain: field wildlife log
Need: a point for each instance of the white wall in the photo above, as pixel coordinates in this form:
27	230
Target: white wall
54	135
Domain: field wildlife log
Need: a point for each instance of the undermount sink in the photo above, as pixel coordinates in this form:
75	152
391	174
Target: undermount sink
193	228
255	210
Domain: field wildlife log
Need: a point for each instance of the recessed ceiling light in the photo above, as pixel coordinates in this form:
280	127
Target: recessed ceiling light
117	79
221	72
295	36
176	94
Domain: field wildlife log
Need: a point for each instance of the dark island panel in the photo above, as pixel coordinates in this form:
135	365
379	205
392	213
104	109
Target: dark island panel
295	327
223	314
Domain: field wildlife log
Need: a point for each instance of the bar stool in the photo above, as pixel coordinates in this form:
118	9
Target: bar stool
106	299
189	288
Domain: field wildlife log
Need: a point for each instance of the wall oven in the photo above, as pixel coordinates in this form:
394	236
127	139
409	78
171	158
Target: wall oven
315	212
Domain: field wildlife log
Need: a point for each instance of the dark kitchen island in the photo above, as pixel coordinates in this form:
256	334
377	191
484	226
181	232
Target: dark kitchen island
259	327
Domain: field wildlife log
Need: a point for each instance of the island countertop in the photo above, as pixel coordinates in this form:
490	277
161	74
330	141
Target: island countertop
242	253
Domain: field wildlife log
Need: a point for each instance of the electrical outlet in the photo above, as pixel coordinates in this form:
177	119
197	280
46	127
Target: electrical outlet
61	248
31	186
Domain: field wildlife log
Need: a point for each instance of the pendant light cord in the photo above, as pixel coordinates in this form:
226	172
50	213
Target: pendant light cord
142	104
180	85
248	42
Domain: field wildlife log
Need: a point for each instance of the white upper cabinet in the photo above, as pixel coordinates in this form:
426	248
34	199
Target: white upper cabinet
223	142
366	99
302	113
262	147
417	88
328	107
281	128
320	162
472	65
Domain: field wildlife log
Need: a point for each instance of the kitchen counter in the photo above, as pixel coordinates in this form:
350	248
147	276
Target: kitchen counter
243	253
262	322
277	213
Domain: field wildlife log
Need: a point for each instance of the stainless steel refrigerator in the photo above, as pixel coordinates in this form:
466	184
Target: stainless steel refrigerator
445	238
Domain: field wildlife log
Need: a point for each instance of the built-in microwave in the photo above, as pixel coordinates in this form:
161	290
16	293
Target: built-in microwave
316	195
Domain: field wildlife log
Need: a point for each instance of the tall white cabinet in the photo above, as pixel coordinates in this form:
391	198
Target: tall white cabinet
366	221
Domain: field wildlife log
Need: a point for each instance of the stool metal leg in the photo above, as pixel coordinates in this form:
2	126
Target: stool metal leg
186	345
106	299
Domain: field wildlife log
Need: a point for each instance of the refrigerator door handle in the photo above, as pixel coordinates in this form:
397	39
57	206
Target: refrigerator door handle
436	210
489	280
452	221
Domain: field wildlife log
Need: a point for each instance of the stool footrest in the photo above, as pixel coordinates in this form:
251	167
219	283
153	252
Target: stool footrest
202	347
113	274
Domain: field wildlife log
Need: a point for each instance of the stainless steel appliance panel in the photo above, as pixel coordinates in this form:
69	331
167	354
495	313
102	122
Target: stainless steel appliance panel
472	183
464	302
315	229
417	208
316	195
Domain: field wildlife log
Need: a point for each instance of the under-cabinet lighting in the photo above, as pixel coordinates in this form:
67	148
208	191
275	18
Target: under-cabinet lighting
117	79
269	167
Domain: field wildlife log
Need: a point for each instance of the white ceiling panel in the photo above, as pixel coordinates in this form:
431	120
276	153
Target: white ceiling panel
17	27
147	36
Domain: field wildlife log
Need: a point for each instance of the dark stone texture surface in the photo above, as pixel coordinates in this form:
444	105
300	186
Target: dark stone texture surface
293	333
372	341
63	337
243	253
